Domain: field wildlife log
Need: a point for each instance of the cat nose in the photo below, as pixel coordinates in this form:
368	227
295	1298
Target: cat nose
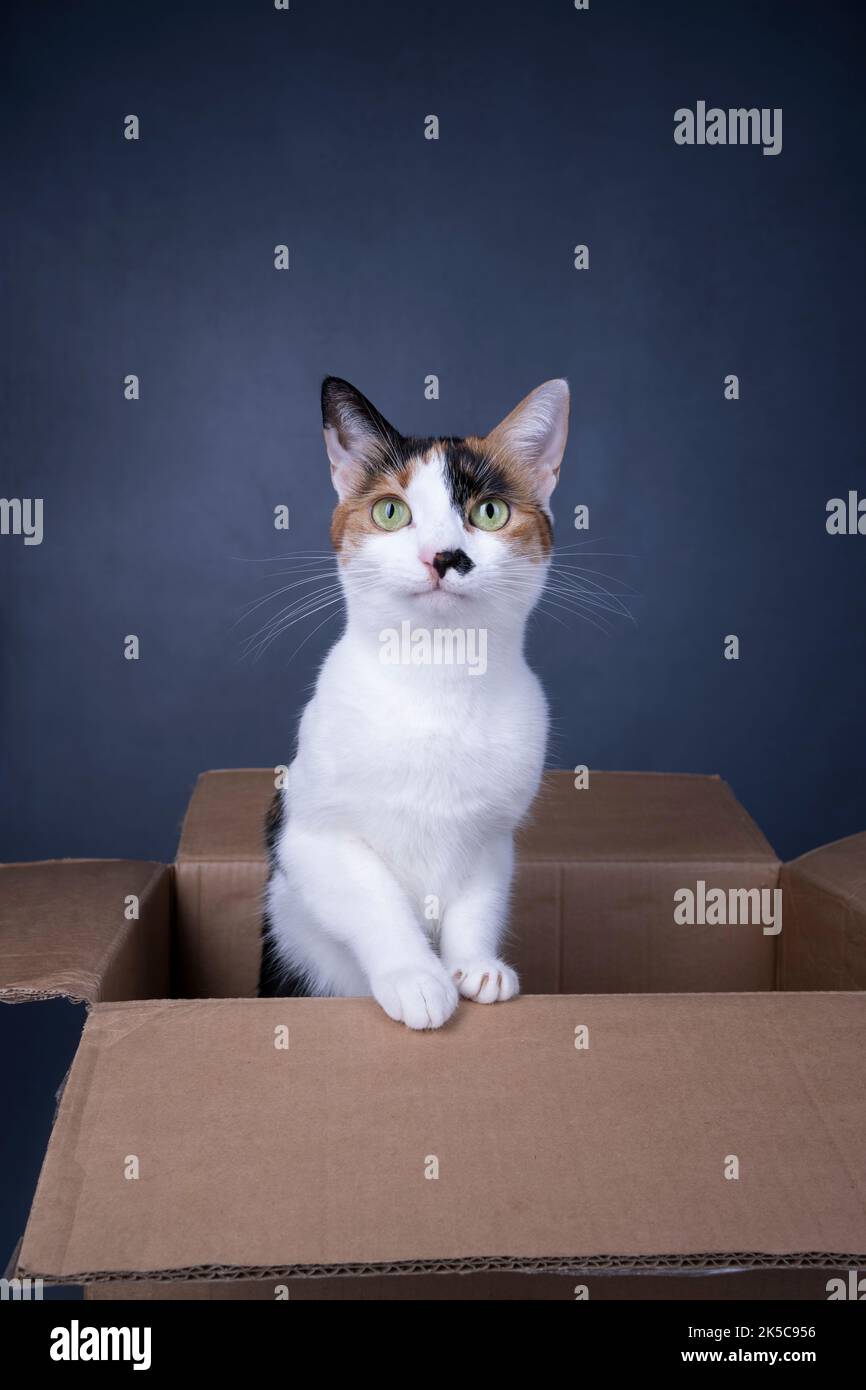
447	560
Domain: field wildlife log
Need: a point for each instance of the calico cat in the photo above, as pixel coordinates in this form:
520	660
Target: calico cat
391	843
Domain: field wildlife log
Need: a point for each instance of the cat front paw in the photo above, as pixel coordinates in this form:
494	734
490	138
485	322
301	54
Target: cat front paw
488	981
418	998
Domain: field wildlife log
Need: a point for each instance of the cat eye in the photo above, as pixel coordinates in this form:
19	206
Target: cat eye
490	515
389	513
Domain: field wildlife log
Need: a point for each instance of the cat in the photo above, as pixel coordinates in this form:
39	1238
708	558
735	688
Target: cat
391	844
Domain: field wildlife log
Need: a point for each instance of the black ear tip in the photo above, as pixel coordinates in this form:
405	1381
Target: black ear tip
334	390
345	407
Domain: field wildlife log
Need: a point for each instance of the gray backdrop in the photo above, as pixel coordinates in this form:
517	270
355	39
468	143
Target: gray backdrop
410	257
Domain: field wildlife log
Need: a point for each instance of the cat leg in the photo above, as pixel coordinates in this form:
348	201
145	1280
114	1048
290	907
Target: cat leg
356	900
473	926
298	958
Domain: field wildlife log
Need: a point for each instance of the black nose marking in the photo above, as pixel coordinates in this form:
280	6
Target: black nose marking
452	560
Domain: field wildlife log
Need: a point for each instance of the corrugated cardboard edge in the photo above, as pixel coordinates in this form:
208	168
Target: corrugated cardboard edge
569	1265
95	992
76	1079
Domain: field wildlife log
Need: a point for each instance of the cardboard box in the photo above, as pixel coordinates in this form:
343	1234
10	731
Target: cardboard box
587	1134
593	900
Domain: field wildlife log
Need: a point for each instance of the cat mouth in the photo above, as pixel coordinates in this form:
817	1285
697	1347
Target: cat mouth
437	589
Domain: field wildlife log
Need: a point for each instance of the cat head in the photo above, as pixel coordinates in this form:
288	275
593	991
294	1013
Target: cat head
444	526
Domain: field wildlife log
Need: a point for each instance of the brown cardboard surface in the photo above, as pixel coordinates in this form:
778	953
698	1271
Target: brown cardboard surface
217	936
641	816
258	1161
226	815
594	927
593	898
823	945
598	1286
220	874
63	932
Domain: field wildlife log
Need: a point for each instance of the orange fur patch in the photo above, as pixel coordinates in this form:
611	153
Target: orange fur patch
528	530
352	520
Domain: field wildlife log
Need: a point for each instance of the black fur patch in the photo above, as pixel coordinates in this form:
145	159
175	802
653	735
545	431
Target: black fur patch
275	982
274	822
452	560
469	474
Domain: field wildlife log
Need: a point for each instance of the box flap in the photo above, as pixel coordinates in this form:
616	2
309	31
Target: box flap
637	817
823	945
621	816
188	1144
839	868
64	932
225	819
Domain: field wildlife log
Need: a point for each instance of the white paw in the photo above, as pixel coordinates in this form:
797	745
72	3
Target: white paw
485	981
418	998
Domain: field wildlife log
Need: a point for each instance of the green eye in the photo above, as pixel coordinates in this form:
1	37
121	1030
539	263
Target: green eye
390	513
490	515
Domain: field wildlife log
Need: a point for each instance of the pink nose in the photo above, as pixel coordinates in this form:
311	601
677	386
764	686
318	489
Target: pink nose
427	557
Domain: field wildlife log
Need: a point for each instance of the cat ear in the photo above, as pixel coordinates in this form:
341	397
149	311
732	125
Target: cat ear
356	434
534	435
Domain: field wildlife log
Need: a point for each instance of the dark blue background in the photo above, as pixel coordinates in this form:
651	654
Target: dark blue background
412	257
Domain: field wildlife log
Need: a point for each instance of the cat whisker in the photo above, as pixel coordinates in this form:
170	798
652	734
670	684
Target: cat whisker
327	618
257	652
287	557
288	614
576	612
574	601
577	576
256	645
277	593
596	597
